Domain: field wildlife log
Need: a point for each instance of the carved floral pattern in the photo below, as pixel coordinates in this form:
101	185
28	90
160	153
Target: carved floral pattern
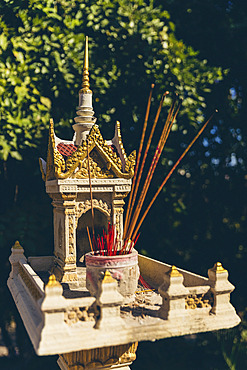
71	234
76	314
118	216
84	206
198	301
96	171
75	165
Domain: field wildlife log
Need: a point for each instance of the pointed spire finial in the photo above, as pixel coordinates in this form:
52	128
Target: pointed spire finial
85	77
85	119
86	54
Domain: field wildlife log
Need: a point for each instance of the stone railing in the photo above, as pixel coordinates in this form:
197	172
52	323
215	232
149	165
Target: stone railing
181	303
21	270
33	283
182	290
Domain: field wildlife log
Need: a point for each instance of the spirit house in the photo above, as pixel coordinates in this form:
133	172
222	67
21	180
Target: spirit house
88	307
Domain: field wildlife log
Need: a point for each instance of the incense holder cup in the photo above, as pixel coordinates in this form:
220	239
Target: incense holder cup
123	268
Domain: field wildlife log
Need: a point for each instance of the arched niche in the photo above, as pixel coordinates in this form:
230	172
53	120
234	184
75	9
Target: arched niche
101	220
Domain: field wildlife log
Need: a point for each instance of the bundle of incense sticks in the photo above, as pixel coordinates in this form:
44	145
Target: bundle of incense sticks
144	283
109	243
133	220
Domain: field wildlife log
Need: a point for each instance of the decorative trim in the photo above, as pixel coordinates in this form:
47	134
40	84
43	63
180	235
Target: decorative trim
71	234
117	141
194	301
28	281
73	166
75	314
54	158
97	168
70	259
69	277
98	357
42	170
130	164
84	206
69	196
118	212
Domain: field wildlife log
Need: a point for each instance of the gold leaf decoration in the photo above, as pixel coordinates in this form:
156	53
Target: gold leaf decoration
104	162
55	161
130	163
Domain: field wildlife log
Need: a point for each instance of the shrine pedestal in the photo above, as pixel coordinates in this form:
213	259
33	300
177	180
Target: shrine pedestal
106	358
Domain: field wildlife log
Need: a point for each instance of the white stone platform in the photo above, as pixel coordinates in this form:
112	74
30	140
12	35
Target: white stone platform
61	319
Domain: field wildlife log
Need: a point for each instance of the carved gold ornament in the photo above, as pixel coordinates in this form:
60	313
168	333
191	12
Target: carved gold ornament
108	279
17	245
95	168
98	357
52	281
218	268
104	162
118	142
174	272
194	301
85	79
54	158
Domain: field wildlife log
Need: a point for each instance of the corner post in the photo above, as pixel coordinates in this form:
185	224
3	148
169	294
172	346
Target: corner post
173	294
221	289
108	300
65	237
16	255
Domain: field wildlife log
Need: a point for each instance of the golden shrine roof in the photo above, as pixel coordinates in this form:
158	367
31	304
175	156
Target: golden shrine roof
107	159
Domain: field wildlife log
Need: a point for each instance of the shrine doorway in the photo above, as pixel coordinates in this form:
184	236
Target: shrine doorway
82	242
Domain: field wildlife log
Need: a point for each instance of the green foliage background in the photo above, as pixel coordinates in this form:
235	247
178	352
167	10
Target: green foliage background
193	48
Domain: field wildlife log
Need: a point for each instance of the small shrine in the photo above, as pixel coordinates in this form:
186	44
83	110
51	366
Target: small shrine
66	177
92	306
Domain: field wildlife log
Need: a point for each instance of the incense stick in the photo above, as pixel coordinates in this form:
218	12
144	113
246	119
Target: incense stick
138	158
144	159
91	193
170	173
163	138
89	238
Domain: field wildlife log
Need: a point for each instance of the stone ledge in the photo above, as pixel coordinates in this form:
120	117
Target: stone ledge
58	325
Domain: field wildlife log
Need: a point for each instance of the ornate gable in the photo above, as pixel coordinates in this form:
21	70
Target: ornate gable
106	161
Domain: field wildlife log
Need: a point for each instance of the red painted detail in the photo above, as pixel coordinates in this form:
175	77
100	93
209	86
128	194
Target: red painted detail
97	260
66	149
